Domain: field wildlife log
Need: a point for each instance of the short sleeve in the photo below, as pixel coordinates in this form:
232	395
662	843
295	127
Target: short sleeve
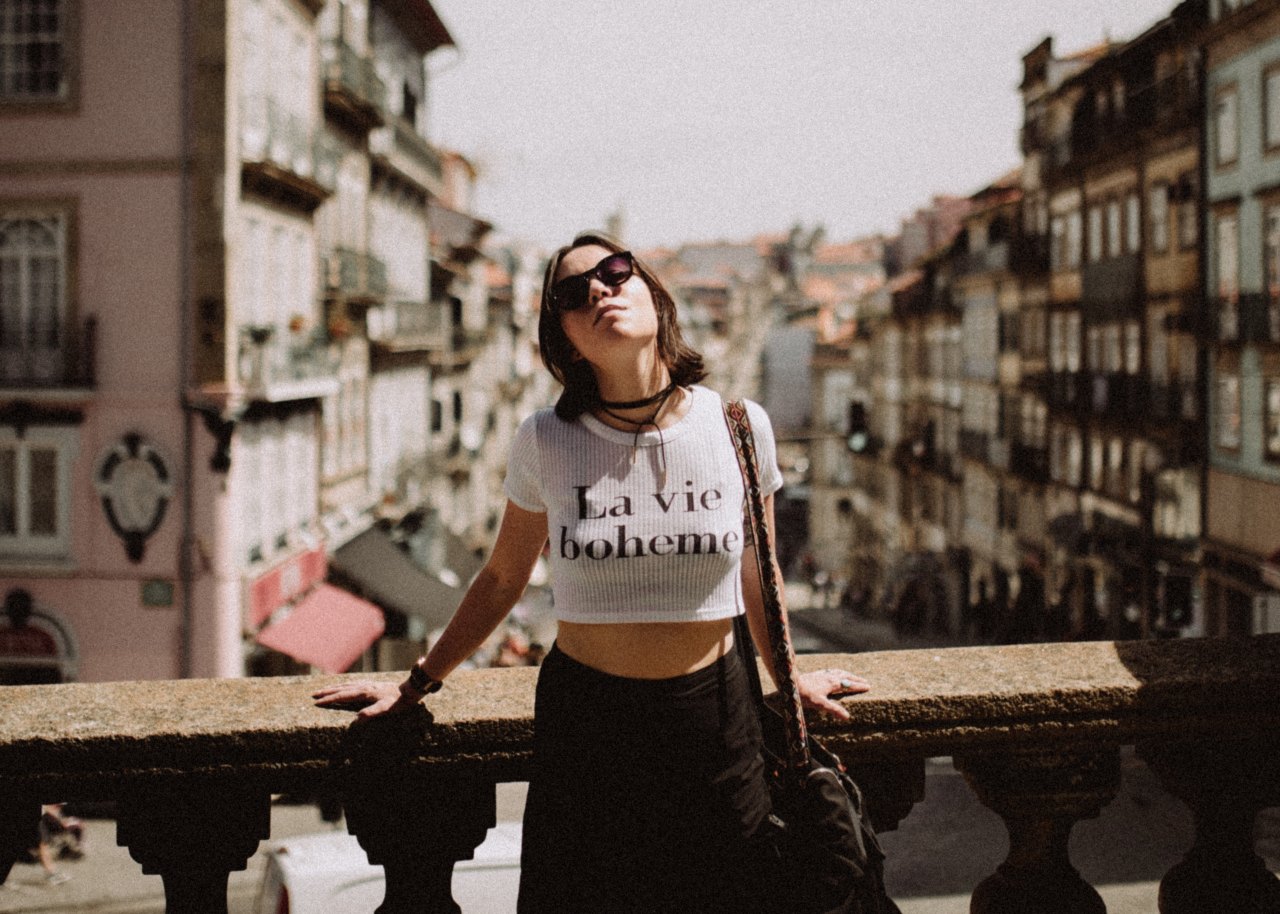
523	484
766	449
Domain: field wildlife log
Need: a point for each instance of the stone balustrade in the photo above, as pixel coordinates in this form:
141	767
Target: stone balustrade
1035	729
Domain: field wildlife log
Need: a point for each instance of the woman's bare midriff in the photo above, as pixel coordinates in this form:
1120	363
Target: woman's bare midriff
646	650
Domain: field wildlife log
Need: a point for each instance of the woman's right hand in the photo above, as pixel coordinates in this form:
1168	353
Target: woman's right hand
369	699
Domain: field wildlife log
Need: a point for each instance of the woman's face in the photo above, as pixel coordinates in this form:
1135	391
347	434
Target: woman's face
615	318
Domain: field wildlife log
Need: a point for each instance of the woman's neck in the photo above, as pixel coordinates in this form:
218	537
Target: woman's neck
634	380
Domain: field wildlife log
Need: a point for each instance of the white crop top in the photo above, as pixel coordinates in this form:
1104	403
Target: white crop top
628	542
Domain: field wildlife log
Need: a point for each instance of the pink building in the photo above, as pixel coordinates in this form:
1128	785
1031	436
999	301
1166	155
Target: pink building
186	268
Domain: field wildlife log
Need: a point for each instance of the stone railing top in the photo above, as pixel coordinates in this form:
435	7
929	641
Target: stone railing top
93	739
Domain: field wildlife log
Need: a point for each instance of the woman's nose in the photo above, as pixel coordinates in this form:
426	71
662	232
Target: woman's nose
598	289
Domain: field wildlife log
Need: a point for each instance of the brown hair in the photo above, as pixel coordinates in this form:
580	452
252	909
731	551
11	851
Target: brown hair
580	392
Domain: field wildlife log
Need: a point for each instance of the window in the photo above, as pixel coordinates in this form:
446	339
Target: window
1093	349
1115	466
1132	223
1134	470
1057	341
1227	274
1075	457
33	259
1132	347
1271	418
1188	212
1228	410
1271	108
1057	243
1271	246
1112	356
1226	138
35	492
1073	341
1115	240
1159	212
1095	233
1075	226
1096	465
35	53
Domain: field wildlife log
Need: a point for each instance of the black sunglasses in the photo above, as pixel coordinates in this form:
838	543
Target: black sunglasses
573	292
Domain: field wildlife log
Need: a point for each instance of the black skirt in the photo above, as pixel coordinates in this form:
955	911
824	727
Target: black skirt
646	795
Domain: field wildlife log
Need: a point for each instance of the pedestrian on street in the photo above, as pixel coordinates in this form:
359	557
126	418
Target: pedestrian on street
647	791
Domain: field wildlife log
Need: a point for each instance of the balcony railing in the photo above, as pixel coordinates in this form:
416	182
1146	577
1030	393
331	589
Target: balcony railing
974	445
1175	401
1036	730
409	325
1119	396
400	145
1029	462
353	90
284	158
355	275
994	258
1067	392
276	365
68	362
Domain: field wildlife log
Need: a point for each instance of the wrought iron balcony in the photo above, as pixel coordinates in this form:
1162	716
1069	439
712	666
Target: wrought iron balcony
283	158
67	361
993	258
1246	317
1117	396
400	146
1035	729
356	276
277	365
353	91
406	326
1067	392
1029	462
1175	401
974	445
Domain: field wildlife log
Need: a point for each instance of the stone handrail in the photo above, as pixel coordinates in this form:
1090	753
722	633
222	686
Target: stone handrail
1036	729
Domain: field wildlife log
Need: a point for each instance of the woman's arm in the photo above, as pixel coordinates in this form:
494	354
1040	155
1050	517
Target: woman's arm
487	601
817	687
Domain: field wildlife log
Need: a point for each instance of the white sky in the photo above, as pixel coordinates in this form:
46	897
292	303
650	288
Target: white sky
707	119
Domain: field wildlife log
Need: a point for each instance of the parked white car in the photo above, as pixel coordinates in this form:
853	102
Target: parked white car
328	873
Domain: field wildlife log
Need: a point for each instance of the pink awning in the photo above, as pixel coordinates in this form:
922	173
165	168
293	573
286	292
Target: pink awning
329	629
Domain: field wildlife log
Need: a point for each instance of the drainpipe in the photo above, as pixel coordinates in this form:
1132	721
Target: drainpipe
186	245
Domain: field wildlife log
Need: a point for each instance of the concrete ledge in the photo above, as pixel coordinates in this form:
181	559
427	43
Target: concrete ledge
98	740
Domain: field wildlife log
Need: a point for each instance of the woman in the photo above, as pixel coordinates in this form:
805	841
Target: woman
647	791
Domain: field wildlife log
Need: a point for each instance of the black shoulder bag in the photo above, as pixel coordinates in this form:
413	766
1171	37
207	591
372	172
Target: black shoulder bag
832	861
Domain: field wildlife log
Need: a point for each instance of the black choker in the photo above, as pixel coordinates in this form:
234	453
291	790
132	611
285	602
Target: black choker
636	404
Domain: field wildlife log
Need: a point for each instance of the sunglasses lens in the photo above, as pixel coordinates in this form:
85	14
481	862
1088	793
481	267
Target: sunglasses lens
615	271
570	294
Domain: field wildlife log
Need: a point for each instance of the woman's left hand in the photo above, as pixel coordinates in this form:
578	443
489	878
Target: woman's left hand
818	688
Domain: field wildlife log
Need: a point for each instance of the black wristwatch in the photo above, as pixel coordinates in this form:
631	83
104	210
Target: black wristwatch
420	682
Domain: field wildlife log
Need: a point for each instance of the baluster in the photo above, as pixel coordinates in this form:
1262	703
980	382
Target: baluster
19	820
417	828
1226	784
193	836
1040	796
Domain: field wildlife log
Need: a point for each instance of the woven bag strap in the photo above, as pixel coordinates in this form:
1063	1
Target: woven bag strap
775	615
